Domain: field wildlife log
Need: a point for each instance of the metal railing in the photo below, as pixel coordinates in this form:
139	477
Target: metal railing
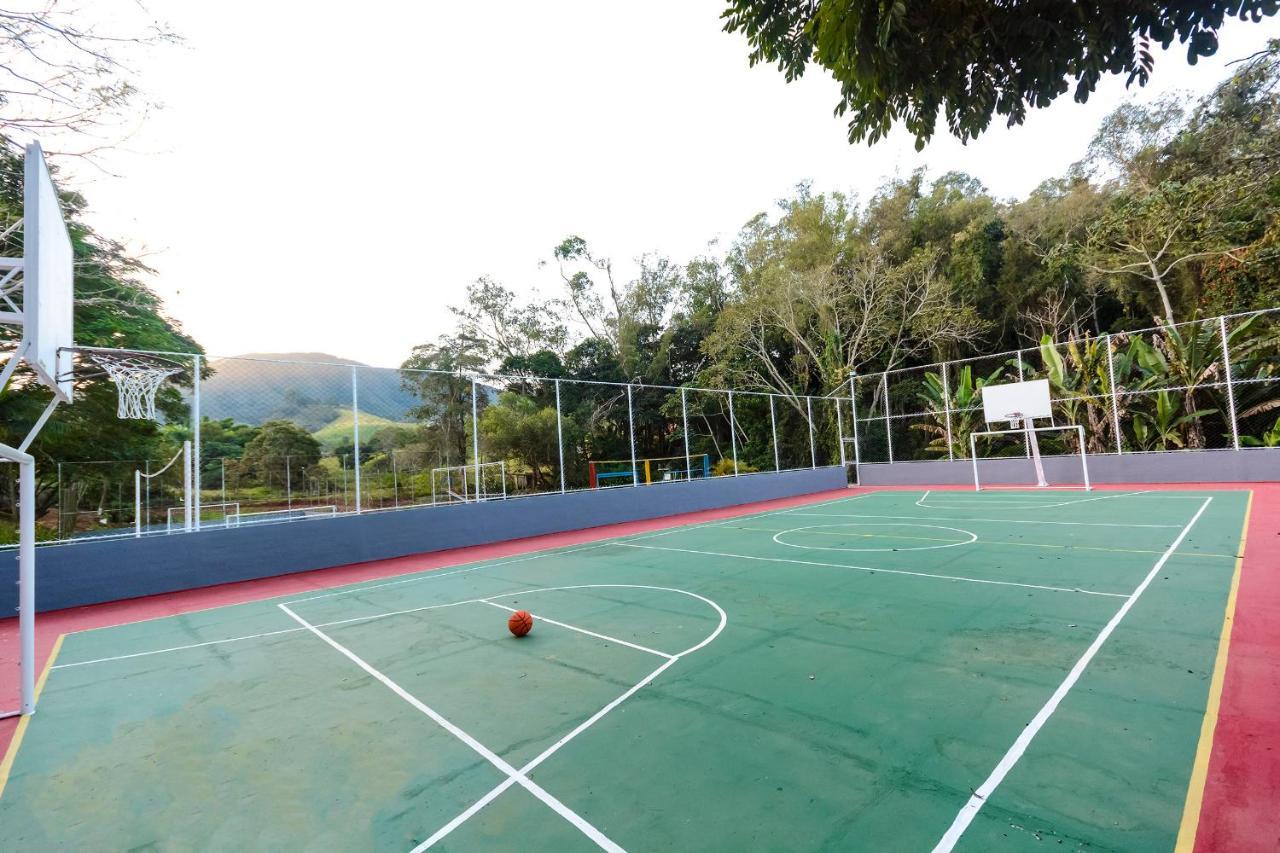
1212	383
273	437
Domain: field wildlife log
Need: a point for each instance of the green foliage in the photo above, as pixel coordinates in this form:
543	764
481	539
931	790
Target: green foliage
279	449
965	416
1270	438
725	468
517	428
903	62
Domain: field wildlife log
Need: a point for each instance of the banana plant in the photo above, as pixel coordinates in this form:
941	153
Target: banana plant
1080	384
1270	438
965	410
1164	426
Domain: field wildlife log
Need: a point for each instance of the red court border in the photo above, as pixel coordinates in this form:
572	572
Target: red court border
1241	806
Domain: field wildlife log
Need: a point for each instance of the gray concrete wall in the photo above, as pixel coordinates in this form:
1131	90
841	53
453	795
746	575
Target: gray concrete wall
1248	465
94	571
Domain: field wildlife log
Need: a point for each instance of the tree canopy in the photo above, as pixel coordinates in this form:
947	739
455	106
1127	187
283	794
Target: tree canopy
908	62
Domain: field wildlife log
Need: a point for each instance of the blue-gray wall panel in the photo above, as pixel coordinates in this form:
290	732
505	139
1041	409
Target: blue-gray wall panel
90	572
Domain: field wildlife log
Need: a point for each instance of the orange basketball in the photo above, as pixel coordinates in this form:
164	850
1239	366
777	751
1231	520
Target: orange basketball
520	623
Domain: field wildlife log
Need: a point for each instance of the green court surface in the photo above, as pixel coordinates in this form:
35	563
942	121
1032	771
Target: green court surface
837	676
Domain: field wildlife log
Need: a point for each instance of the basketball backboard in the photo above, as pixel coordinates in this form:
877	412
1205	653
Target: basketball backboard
47	289
1029	399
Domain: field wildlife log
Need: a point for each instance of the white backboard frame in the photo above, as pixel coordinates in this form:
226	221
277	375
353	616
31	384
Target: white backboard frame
48	288
1030	400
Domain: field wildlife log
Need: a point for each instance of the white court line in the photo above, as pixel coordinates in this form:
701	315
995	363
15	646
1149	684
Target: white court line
872	570
480	749
606	637
431	574
1013	503
263	634
984	791
996	520
590	721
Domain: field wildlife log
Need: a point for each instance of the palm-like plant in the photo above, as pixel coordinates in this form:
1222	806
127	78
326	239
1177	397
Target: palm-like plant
1081	386
964	406
1164	426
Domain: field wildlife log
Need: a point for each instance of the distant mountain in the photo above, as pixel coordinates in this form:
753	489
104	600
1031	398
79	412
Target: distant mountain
258	387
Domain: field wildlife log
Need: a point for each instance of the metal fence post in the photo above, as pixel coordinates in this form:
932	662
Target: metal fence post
631	435
840	429
946	407
395	480
813	450
137	503
1115	398
187	500
733	435
559	442
195	438
684	420
773	430
1231	391
853	412
888	426
355	432
1026	449
475	434
288	483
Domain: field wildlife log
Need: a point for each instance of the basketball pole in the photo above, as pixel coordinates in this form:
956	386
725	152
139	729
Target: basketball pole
26	573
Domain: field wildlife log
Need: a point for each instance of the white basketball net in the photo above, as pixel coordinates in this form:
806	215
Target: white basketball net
137	381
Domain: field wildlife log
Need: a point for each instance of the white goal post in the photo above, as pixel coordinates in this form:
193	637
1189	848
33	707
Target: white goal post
1029	433
1019	404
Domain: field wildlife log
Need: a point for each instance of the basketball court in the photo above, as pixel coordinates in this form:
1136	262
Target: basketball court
887	670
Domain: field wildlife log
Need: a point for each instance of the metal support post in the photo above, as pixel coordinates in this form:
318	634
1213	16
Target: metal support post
773	430
1115	397
888	426
195	438
946	407
733	435
813	449
631	433
1231	391
684	420
475	433
853	411
559	439
186	487
355	433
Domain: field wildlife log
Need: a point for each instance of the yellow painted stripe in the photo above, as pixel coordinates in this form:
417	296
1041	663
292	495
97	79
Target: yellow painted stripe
12	753
1200	769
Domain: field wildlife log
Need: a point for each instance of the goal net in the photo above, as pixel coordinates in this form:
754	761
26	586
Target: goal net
464	483
1015	457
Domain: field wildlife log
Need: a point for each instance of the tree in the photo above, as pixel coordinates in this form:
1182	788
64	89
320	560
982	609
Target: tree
280	450
507	328
906	62
62	72
113	308
517	428
439	375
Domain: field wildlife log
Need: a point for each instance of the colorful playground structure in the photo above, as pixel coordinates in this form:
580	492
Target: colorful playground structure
603	473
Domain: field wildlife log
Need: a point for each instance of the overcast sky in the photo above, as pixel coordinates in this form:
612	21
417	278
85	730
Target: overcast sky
332	182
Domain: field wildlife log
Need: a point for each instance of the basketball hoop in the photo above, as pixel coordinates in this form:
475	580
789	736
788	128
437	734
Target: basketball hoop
137	378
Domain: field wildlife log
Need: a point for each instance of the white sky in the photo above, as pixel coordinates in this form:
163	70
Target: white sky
331	182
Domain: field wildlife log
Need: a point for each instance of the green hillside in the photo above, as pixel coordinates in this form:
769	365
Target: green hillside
339	429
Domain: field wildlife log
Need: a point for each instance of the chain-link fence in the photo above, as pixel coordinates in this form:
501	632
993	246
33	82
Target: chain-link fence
277	440
1205	384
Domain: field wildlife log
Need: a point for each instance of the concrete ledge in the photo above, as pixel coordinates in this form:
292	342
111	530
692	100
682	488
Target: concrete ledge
91	572
1248	465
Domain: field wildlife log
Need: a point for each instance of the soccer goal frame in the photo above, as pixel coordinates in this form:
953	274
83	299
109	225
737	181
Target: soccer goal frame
1030	433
